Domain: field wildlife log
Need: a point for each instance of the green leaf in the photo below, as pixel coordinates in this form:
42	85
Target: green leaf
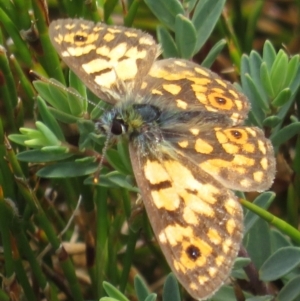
37	138
269	54
167	42
293	67
257	103
114	159
123	151
68	169
18	139
75	95
256	98
141	288
49	120
296	83
185	36
239	274
113	292
66	100
241	262
213	53
280	263
285	134
271	121
282	114
39	156
96	112
54	94
279	71
55	149
76	102
88	138
63	116
256	115
226	293
43	90
290	291
78	85
279	240
59	98
282	98
95	140
266	79
118	180
258	235
151	297
205	17
245	65
255	62
48	134
166	11
171	289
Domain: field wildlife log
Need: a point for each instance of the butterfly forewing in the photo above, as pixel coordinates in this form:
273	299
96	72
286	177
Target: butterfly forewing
192	87
110	60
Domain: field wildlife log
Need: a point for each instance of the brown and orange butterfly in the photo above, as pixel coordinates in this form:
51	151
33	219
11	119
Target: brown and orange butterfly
187	146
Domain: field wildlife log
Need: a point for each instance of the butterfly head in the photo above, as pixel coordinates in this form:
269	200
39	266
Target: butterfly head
139	123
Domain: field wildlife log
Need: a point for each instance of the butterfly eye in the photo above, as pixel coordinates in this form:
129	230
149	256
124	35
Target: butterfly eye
118	127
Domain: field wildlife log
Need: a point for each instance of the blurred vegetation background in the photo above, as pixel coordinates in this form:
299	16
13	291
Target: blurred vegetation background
65	238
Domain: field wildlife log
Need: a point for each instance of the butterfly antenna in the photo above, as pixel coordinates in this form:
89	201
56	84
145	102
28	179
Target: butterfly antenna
59	85
105	147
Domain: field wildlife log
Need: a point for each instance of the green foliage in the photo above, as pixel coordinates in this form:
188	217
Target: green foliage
38	215
170	291
271	82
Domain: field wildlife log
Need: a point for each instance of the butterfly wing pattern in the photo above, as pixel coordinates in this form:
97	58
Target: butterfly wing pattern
187	144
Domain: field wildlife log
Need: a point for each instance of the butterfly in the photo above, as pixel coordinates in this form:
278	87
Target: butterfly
188	147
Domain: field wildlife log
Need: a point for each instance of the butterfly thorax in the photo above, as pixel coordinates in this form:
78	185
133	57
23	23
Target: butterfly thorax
139	123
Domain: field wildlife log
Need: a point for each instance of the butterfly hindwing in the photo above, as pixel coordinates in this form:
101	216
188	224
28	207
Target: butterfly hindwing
240	158
197	221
